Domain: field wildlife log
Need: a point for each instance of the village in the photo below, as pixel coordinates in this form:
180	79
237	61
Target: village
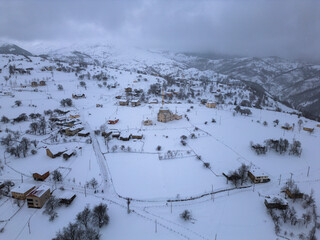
151	151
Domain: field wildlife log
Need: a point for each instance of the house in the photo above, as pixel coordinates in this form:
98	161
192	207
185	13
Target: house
113	121
258	176
211	105
42	83
177	117
123	102
78	95
73	130
38	196
154	101
40	177
318	125
276	202
136	135
293	194
22	191
147	122
55	152
135	103
115	133
74	116
34	84
118	97
128	89
66	155
83	133
125	136
99	105
310	130
67	198
286	127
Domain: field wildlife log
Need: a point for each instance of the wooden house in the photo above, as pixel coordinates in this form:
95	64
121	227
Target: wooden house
147	122
22	191
123	102
293	194
286	127
99	105
318	125
154	101
34	84
67	198
275	202
38	196
310	130
125	136
118	97
257	176
135	103
115	133
40	177
136	135
211	105
83	133
106	134
42	83
55	152
73	130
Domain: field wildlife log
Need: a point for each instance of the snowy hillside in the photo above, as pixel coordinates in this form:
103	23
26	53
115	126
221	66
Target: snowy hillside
158	144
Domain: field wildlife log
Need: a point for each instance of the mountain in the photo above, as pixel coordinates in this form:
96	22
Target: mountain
13	49
293	82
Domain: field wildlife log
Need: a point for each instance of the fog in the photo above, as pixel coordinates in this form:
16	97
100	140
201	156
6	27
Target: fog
288	29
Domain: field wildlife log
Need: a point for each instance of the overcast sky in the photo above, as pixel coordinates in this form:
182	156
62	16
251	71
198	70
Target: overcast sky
254	28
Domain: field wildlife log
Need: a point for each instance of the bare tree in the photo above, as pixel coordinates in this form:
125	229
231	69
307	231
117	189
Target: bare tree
99	215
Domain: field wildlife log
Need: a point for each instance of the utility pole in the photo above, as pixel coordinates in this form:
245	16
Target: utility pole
21	178
308	171
291	176
171	207
280	179
128	204
85	191
155	226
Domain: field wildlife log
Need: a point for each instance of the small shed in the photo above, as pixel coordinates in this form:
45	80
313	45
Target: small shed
74	116
318	125
67	198
78	95
55	152
154	101
112	122
147	122
20	192
106	134
38	196
40	177
276	202
83	133
128	89
99	105
34	84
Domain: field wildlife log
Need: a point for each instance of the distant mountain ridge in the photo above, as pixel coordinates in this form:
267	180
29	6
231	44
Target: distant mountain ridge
13	49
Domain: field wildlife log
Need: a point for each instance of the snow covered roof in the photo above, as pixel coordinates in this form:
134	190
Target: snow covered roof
135	101
84	132
66	195
69	152
57	149
39	191
275	199
22	188
125	134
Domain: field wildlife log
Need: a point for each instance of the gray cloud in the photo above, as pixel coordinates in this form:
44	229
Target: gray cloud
242	27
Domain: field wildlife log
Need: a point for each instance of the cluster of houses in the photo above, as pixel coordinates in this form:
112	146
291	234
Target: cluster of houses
57	151
126	102
123	136
71	125
78	95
